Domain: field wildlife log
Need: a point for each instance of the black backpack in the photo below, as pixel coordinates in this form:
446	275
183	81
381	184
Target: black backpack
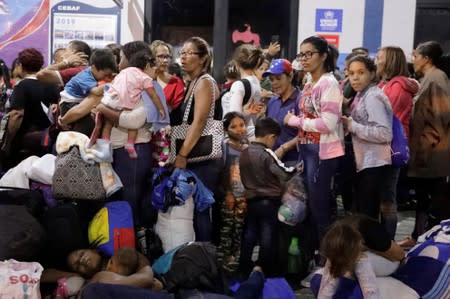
218	112
194	266
22	237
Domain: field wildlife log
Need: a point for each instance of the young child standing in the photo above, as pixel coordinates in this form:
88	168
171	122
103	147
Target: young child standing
125	93
370	124
234	206
263	176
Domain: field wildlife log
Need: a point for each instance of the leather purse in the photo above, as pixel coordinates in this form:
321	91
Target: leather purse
76	179
209	146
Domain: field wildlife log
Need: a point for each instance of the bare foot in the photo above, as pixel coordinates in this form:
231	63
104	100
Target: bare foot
157	285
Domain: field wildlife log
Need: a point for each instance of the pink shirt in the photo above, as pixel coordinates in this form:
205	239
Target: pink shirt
128	86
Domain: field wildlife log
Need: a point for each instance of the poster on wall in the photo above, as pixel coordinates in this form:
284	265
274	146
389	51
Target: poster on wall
23	24
328	20
97	26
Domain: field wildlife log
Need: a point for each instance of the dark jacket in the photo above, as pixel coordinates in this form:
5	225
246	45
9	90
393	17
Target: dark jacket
262	173
430	129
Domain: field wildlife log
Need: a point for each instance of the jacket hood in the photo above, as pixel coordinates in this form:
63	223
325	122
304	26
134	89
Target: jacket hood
410	85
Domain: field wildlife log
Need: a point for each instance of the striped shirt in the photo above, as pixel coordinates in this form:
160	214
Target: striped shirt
321	111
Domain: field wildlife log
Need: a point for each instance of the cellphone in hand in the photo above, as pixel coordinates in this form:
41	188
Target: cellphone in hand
275	39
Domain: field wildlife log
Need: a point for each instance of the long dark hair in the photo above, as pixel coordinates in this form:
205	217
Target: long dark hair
323	48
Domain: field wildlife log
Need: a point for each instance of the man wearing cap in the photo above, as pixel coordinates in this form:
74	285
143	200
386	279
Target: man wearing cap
286	98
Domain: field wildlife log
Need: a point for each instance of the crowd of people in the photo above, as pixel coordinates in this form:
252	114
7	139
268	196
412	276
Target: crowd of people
281	120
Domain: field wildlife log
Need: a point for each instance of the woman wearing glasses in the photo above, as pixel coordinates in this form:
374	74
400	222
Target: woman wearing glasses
196	64
319	130
172	85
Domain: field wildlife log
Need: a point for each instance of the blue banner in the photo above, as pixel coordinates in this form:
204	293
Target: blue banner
328	20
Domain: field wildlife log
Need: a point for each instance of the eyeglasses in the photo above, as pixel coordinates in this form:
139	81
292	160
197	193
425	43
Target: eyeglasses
307	54
164	57
188	53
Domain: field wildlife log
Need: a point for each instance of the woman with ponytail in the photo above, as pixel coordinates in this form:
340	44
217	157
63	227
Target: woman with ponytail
248	59
319	130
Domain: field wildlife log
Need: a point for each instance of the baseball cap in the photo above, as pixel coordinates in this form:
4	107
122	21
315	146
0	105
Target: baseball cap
278	67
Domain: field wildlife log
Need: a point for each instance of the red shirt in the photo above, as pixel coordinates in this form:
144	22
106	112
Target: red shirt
400	91
174	92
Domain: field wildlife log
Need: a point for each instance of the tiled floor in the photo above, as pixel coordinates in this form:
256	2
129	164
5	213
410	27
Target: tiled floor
404	228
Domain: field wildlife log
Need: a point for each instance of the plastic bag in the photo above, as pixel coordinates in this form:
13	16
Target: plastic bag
293	208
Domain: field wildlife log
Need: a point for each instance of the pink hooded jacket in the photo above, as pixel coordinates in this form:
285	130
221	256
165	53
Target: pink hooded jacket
400	90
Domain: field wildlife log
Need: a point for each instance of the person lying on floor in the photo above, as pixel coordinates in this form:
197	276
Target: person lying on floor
89	265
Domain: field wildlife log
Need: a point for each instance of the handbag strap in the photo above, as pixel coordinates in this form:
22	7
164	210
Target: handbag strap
191	97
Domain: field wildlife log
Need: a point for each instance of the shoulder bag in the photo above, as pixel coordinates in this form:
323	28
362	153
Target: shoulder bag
209	146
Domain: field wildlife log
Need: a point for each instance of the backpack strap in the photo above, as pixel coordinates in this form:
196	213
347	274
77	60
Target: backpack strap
247	91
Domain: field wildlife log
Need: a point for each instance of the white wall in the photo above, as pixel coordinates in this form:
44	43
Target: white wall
132	27
398	24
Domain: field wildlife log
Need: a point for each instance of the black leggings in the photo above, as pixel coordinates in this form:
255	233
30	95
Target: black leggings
371	189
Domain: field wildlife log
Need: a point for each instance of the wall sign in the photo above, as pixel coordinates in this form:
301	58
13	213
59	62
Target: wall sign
94	25
329	20
246	36
332	39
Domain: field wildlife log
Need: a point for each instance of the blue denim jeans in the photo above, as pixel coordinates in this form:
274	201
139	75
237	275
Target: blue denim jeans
135	175
260	227
318	178
208	172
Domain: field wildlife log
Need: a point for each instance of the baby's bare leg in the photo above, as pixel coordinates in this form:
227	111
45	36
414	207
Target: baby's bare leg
106	130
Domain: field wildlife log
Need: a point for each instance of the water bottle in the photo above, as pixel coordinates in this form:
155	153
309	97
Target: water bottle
293	257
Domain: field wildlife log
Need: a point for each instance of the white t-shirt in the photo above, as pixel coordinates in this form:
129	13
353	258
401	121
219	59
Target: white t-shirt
232	100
